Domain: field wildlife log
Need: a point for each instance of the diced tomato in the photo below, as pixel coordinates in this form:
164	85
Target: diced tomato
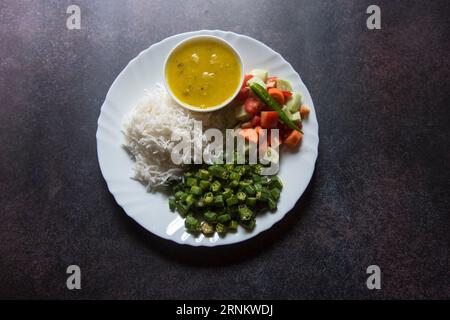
299	124
256	121
284	131
249	134
269	119
246	125
264	107
243	94
286	94
293	139
252	105
245	91
277	95
246	78
271	82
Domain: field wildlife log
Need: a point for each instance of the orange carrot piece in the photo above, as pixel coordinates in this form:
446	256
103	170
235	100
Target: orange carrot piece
293	139
304	111
277	95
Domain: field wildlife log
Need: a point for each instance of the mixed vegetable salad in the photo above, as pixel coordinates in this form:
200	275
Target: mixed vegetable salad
269	103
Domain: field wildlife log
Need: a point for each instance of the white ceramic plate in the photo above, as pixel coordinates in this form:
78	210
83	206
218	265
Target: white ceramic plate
151	210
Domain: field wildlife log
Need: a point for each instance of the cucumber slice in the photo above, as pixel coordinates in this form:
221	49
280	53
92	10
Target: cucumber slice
287	111
294	102
257	81
296	116
241	114
284	85
260	73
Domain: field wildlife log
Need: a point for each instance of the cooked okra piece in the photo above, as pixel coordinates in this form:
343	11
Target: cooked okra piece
235	176
250	190
227	192
190	199
249	225
241	196
207	229
215	186
275	182
220	228
251	201
210	216
204	184
196	190
231	201
216	170
203	174
208	198
275	193
245	213
192	224
218	201
272	203
233	225
224	219
190	181
172	203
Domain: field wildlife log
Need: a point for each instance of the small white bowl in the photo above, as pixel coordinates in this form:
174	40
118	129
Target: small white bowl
226	102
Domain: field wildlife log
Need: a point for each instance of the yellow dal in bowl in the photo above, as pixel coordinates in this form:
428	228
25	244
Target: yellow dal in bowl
203	73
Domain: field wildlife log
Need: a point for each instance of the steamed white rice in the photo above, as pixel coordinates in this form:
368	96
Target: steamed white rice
148	129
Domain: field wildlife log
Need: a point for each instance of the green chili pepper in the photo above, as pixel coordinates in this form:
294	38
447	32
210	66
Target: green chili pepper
262	93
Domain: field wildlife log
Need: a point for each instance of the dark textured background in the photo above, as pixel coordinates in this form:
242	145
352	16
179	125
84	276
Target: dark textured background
379	195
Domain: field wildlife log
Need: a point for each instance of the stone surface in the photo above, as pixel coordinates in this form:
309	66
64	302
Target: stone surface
379	195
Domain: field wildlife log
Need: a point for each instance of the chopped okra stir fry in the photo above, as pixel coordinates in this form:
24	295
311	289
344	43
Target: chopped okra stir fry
219	197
